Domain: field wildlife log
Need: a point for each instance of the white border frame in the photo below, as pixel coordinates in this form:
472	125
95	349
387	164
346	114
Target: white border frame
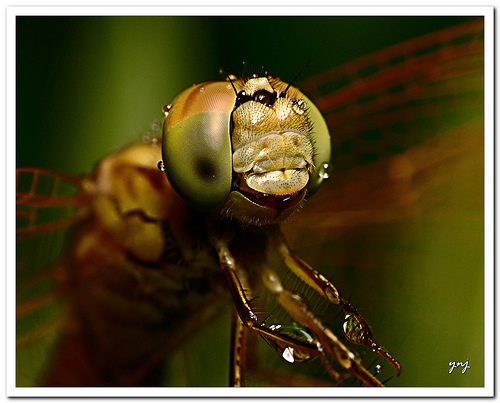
12	12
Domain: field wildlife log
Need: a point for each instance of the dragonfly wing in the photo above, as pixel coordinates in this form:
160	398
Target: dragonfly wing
401	217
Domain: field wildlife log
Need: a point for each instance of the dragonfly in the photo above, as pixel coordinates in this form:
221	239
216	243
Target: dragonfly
116	340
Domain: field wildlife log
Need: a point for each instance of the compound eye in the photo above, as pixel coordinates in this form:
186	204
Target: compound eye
196	145
320	136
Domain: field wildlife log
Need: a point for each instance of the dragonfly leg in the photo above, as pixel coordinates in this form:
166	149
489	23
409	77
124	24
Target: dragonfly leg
355	328
237	360
331	345
302	270
248	317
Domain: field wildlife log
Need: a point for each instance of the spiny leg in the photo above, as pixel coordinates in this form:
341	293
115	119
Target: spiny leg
252	365
331	346
357	331
237	360
355	328
249	319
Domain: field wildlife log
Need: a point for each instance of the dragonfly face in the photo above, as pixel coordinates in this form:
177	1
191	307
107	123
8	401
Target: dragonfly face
247	147
147	254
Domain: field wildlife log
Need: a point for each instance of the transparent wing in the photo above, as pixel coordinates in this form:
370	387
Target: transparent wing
46	203
46	200
400	219
397	118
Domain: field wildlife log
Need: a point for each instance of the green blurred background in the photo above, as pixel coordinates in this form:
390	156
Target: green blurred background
86	86
89	85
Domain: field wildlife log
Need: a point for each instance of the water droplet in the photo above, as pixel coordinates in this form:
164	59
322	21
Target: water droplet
272	281
161	166
378	368
297	331
325	170
166	109
202	89
298	297
155	126
332	295
288	354
346	326
301	104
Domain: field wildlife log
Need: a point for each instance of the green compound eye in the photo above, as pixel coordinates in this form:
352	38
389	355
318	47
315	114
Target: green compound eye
196	145
320	136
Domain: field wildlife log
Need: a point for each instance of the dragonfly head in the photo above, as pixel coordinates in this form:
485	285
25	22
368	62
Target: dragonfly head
252	149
